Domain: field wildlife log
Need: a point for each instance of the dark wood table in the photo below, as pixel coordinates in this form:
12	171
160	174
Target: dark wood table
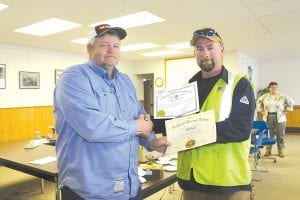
13	155
154	185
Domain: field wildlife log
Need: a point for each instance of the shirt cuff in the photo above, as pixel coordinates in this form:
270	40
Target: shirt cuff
152	136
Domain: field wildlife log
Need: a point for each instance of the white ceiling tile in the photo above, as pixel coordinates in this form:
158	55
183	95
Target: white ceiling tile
260	28
274	7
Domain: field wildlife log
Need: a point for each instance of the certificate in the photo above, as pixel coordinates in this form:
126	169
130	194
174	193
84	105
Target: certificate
176	102
191	131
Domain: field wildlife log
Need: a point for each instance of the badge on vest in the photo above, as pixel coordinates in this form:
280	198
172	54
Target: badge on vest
244	100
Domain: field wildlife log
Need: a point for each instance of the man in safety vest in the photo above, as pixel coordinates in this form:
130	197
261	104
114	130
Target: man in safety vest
221	170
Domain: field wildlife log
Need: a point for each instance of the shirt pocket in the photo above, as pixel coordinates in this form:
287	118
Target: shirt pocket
107	101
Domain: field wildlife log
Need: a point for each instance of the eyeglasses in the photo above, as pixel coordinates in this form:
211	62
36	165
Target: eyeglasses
206	32
100	28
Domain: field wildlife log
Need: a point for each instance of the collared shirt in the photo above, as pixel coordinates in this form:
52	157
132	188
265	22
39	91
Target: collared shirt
275	103
97	146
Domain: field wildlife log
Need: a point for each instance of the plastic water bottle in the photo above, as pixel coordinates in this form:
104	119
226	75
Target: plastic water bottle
38	134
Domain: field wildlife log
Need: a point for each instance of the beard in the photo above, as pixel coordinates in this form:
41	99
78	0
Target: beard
206	65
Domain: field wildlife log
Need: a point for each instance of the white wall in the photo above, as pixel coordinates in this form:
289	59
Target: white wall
286	72
157	67
245	62
179	71
19	58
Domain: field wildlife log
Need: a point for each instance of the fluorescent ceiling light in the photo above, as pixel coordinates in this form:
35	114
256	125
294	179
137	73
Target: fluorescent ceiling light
161	53
47	27
3	6
133	20
82	41
139	46
184	45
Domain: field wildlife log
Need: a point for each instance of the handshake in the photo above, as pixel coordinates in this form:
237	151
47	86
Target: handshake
144	125
144	128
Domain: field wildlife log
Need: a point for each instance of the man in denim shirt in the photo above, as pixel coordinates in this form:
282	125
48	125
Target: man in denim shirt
100	124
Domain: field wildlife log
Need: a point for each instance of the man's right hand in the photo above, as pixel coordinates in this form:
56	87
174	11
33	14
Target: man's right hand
144	125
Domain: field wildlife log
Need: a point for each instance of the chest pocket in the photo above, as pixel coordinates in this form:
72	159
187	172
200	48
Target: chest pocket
107	101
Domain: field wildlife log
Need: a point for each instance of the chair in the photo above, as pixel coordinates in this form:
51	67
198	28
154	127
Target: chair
256	145
266	140
260	138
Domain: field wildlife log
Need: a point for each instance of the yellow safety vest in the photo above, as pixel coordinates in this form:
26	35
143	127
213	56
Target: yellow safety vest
218	164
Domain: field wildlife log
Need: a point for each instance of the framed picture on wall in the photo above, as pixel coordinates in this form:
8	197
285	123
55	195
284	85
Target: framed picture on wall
2	76
29	80
250	73
57	73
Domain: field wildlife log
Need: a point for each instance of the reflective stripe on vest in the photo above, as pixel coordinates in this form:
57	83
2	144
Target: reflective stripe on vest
227	99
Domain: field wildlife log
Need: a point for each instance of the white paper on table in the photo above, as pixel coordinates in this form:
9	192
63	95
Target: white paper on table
141	174
44	161
191	131
171	103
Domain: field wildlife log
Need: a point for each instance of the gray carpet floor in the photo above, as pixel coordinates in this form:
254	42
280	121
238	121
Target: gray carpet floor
281	182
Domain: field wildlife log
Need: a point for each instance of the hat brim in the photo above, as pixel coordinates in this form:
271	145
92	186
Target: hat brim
211	38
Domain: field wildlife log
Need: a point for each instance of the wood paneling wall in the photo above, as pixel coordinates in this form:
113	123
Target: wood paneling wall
293	118
21	123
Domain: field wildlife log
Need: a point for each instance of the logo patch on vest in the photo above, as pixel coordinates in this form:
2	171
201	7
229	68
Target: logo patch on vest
244	100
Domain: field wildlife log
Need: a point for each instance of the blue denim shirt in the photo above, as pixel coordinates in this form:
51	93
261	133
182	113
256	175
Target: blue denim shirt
97	146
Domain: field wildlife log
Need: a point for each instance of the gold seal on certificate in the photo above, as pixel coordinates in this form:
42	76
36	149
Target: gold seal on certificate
190	144
191	131
161	113
171	103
